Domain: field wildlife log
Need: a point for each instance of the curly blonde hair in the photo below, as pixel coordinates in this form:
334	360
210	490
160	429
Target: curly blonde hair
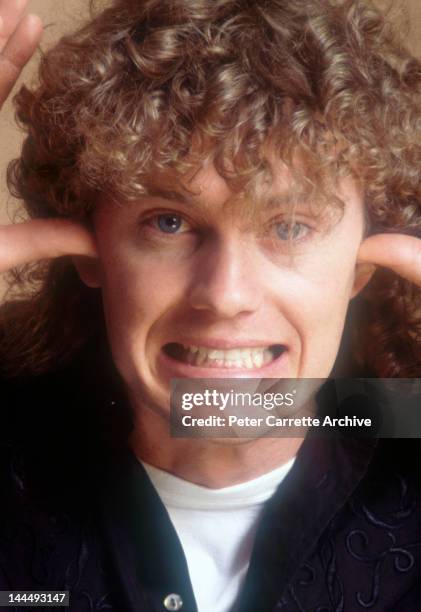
149	88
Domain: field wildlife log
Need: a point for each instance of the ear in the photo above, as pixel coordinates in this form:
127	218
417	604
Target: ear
363	273
88	270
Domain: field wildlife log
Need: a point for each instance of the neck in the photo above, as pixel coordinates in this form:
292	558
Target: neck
213	463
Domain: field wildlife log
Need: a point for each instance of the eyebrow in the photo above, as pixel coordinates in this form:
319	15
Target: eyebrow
171	195
286	200
278	200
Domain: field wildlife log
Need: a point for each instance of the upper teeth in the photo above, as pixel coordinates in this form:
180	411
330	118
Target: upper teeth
231	358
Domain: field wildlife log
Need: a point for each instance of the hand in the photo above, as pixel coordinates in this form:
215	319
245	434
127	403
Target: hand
37	239
19	37
399	252
43	239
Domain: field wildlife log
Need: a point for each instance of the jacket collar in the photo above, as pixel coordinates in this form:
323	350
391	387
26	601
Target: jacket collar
143	543
324	475
147	552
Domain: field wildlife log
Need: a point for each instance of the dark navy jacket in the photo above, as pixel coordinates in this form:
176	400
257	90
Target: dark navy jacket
78	512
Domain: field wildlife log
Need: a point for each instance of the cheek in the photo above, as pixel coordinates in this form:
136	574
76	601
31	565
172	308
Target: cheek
138	291
316	307
317	287
314	296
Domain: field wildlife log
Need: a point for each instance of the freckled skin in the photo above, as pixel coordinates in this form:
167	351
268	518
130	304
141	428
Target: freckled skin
216	277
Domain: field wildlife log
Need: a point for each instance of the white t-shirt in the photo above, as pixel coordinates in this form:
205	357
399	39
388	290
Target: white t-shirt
216	528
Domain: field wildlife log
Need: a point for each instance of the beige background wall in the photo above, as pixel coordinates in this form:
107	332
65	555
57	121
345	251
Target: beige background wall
63	15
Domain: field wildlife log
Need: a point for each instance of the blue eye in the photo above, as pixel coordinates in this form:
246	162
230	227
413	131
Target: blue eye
169	223
287	230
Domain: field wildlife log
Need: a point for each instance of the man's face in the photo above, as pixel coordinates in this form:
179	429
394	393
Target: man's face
200	289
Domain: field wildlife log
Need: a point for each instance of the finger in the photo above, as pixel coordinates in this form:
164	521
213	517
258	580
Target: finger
23	42
43	239
19	49
11	12
399	252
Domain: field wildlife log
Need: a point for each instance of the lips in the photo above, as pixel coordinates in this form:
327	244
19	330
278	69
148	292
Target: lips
244	358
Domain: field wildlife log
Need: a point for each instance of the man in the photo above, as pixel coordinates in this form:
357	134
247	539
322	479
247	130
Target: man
214	168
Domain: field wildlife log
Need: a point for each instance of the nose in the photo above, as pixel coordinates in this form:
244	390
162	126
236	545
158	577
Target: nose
224	282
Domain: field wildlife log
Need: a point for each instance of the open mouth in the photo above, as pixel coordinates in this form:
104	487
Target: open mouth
250	358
